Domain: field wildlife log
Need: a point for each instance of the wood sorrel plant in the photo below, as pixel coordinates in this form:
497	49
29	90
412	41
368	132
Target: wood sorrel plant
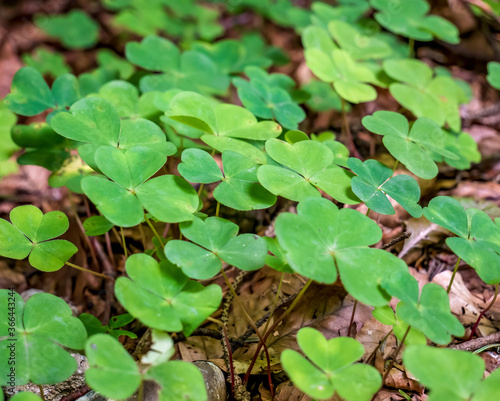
145	140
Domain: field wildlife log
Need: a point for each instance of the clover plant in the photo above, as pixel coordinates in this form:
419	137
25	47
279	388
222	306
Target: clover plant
416	147
424	95
31	233
410	19
189	70
152	139
46	63
75	30
42	326
462	383
330	368
478	237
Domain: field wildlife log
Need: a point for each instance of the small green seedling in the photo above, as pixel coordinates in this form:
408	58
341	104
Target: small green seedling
75	30
30	95
240	189
42	326
321	240
305	167
414	148
478	241
191	70
94	325
430	313
226	126
47	63
215	240
331	64
266	96
330	367
374	181
452	375
161	296
31	233
493	76
385	315
437	98
410	19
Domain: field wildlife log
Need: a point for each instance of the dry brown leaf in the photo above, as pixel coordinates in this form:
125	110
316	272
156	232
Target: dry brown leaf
371	336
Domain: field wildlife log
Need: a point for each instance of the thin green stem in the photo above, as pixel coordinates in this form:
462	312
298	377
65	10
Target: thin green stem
123	242
368	212
200	189
275	301
217	209
411	48
153	229
486	347
83	269
140	391
396	164
275	324
453	276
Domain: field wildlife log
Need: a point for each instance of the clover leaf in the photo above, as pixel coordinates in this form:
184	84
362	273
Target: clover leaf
190	71
162	297
493	76
437	98
385	315
215	240
323	97
462	383
46	63
410	19
239	189
266	96
306	166
463	146
345	10
330	368
7	122
374	181
31	233
109	60
226	126
75	30
112	371
478	241
322	239
414	148
430	314
331	64
94	325
42	326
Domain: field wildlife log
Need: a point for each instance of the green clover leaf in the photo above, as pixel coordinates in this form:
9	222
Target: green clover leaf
345	10
374	181
266	96
478	241
410	19
330	367
322	239
239	189
189	71
493	76
94	326
331	64
109	60
163	298
7	122
226	126
31	233
462	383
42	325
97	225
385	315
215	240
46	63
463	146
430	314
437	98
306	166
323	97
112	371
75	30
414	148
